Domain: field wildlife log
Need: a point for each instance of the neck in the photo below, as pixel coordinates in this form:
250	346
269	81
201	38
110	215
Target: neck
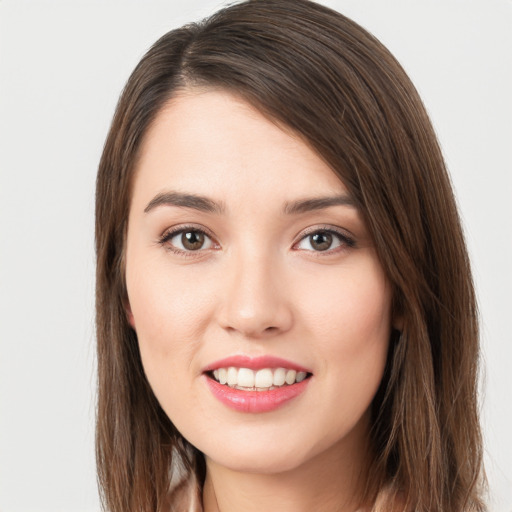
332	481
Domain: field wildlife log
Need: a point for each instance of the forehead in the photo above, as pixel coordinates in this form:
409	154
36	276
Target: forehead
214	143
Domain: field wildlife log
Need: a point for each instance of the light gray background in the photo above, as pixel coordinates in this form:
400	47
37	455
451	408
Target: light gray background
62	66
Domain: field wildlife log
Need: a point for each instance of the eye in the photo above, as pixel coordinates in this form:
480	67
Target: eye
324	240
187	240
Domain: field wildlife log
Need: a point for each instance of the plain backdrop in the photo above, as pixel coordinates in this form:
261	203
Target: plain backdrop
62	67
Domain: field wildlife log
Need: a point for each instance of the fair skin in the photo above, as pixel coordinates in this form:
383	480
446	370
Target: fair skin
253	269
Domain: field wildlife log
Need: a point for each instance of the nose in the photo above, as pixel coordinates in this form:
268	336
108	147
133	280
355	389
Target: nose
255	299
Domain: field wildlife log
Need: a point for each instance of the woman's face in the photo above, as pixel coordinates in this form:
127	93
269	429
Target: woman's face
247	262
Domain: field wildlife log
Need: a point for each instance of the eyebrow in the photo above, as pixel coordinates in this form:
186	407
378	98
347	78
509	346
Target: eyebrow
193	201
205	204
317	203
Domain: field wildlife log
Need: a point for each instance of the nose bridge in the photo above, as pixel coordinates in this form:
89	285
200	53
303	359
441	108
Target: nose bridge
255	303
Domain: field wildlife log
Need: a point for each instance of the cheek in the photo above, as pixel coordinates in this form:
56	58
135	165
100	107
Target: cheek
352	310
351	323
173	308
169	315
166	304
166	333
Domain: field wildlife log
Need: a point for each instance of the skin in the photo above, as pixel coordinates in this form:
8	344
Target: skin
258	286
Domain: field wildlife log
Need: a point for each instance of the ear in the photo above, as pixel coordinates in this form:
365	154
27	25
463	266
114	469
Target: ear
129	314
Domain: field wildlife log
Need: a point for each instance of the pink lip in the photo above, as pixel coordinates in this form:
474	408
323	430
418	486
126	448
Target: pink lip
255	401
255	363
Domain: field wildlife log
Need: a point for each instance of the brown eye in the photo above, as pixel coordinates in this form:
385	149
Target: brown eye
321	241
192	240
187	240
324	240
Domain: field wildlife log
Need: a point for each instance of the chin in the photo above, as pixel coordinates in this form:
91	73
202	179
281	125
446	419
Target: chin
258	462
263	452
282	449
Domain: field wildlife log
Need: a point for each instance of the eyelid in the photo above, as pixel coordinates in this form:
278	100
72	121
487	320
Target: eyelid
347	239
172	231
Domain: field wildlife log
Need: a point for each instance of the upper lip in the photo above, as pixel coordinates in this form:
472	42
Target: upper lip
255	363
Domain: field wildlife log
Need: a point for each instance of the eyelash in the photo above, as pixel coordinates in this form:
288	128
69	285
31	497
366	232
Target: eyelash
346	242
168	235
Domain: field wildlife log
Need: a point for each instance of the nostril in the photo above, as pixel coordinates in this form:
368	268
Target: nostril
254	318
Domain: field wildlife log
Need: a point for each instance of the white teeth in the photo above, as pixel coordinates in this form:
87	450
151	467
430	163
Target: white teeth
279	377
260	380
264	378
245	378
232	376
290	376
300	376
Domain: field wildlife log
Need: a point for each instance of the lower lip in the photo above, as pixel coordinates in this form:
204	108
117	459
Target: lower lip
255	401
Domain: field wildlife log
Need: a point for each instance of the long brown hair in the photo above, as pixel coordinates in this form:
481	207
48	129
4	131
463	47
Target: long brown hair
337	87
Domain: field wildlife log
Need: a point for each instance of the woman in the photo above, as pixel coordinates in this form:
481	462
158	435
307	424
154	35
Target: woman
285	312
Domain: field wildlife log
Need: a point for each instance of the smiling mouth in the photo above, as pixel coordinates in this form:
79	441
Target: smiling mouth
265	379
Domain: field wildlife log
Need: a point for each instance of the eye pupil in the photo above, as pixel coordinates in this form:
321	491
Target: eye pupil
321	241
192	240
